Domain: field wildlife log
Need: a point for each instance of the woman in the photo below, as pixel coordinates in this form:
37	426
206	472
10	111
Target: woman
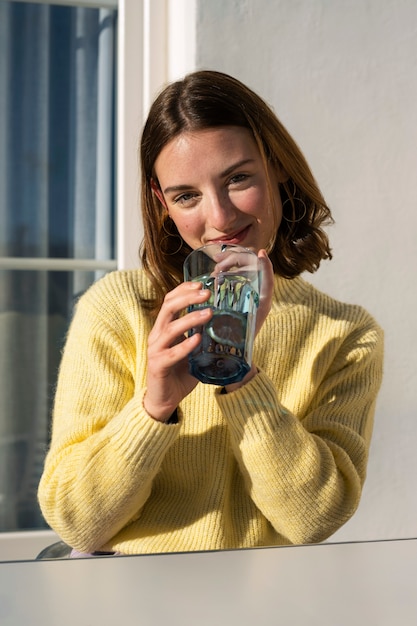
143	457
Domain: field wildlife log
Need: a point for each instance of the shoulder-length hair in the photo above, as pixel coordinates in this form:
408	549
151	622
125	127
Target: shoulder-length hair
210	99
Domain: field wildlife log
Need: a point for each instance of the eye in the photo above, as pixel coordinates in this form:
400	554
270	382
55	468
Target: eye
185	199
238	178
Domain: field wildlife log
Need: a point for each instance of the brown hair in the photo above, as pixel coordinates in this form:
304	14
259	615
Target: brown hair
210	99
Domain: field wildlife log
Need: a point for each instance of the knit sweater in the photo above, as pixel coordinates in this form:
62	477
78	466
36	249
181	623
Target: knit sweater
281	460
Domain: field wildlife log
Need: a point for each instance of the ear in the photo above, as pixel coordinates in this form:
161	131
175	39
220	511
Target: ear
157	191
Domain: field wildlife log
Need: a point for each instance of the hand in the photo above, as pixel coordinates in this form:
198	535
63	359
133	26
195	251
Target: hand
267	289
168	380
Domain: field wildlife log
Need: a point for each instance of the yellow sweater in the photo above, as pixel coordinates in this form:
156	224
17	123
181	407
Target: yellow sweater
280	461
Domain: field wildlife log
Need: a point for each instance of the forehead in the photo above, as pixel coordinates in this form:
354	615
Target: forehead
214	147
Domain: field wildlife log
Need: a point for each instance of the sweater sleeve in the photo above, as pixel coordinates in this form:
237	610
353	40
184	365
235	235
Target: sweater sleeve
306	472
105	449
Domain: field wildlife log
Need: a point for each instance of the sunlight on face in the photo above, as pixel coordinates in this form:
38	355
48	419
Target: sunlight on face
216	188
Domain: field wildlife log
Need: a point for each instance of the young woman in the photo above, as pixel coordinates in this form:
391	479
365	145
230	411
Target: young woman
143	457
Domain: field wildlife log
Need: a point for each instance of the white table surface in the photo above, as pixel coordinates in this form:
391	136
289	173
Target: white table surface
355	584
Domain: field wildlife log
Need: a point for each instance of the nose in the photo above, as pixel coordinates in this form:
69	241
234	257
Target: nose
220	211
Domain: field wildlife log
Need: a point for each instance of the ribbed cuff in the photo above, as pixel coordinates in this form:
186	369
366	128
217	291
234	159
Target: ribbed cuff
253	409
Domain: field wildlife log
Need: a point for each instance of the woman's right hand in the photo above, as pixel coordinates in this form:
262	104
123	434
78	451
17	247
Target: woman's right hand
168	380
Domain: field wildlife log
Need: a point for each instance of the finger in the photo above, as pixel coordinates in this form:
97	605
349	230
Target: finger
234	261
267	276
175	331
160	363
266	289
179	299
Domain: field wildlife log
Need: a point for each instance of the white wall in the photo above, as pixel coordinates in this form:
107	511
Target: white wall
341	75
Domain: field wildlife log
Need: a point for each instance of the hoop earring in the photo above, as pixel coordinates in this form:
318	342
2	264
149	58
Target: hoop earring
169	236
292	201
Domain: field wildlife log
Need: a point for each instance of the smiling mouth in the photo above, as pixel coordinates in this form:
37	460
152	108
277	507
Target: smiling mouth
236	237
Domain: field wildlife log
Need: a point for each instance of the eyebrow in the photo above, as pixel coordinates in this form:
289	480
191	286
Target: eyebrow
226	172
175	188
236	166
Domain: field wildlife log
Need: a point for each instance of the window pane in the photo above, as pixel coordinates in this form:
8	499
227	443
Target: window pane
57	136
57	76
35	310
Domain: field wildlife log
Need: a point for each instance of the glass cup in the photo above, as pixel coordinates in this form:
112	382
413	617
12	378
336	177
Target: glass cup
232	274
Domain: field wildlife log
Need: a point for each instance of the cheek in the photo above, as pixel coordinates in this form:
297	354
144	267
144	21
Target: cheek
258	203
182	222
252	201
269	213
187	225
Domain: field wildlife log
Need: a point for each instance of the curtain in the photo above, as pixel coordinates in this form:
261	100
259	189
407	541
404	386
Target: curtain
57	86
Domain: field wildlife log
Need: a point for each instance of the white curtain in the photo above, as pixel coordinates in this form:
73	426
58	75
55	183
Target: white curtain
57	76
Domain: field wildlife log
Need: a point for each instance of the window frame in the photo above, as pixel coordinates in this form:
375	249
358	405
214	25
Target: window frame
156	43
165	51
63	264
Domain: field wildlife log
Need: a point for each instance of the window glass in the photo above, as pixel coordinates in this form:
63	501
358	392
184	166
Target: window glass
57	136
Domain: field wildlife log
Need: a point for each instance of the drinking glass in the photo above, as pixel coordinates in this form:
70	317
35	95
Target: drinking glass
232	274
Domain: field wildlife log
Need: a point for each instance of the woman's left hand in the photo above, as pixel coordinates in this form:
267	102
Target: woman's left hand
266	291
